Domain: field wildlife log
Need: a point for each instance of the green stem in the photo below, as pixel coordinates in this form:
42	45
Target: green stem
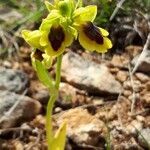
54	95
58	71
49	132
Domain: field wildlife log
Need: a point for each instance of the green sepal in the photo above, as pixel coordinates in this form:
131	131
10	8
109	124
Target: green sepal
64	8
43	75
73	31
49	6
32	38
79	4
52	18
84	14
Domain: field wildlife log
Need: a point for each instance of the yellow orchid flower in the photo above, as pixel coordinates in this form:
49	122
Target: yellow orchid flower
33	39
52	37
67	21
91	37
55	36
55	40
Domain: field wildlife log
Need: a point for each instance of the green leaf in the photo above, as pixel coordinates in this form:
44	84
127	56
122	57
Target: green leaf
43	75
59	140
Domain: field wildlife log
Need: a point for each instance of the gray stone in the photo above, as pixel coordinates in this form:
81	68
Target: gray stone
42	96
87	75
13	80
15	108
144	137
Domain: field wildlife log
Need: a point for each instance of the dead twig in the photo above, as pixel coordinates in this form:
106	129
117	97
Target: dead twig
142	55
10	111
116	9
30	147
133	89
118	110
145	111
17	129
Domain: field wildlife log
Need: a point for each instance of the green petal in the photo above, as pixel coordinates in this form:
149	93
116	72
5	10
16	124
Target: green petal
68	39
49	6
52	18
44	40
32	37
65	8
45	25
79	4
73	31
85	14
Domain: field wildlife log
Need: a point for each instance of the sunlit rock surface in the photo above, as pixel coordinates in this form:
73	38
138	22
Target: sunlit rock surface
90	76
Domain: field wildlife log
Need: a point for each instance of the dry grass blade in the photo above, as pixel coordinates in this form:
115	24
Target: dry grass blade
116	9
142	55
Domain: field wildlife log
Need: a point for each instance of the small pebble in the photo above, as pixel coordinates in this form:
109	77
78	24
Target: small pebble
122	76
127	85
58	109
140	118
134	126
127	93
142	77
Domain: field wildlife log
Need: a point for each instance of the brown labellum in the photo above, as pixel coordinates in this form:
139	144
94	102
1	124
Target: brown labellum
93	32
38	55
56	36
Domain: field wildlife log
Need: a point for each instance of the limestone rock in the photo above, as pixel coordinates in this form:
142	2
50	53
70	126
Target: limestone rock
90	76
82	127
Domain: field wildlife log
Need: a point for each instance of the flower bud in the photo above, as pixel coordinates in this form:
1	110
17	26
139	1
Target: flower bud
64	8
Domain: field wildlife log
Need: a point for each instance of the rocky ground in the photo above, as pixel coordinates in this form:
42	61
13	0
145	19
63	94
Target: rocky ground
106	107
